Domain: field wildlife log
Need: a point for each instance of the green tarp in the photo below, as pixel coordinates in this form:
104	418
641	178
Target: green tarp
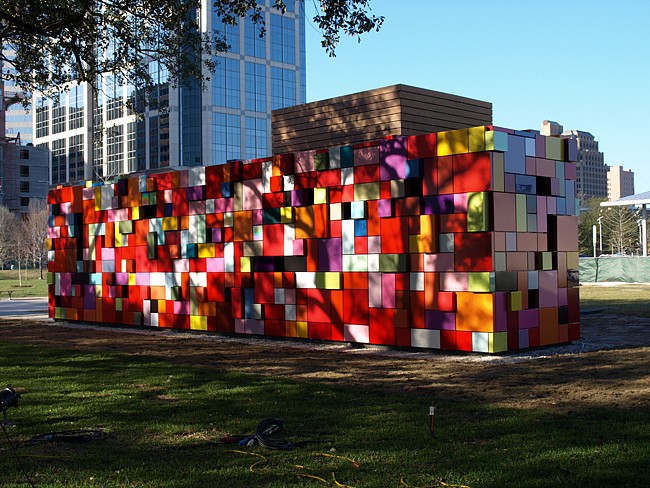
622	269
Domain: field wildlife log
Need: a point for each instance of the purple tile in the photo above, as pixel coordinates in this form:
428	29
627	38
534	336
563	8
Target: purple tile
195	192
330	254
439	204
385	208
392	158
437	320
90	297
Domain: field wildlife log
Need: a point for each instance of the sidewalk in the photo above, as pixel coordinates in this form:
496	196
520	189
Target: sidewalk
34	308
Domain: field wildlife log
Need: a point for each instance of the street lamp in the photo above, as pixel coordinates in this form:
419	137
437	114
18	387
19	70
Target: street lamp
600	232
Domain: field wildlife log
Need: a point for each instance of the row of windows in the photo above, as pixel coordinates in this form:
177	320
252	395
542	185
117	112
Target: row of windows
226	86
282	43
255	87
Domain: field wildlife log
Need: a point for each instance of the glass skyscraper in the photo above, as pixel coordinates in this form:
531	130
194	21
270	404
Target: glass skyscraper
92	134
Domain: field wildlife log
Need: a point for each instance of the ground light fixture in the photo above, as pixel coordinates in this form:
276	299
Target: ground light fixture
8	398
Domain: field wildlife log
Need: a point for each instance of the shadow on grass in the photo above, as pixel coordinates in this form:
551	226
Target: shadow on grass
166	421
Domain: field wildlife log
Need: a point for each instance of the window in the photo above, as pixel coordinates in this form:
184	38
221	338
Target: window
225	83
114	103
24	171
42	118
254	45
58	161
255	87
24	201
283	87
283	44
256	138
76	157
24	154
76	104
226	138
58	115
130	148
115	150
231	35
153	142
24	187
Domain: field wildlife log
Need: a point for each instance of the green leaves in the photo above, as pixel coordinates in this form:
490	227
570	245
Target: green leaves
55	43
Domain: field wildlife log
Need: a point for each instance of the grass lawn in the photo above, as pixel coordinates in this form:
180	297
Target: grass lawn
165	422
624	299
32	285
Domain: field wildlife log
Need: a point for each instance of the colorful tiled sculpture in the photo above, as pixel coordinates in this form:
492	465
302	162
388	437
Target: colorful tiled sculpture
460	240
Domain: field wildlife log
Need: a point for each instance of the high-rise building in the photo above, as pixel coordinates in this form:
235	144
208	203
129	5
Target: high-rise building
620	183
18	117
592	170
551	128
23	167
92	133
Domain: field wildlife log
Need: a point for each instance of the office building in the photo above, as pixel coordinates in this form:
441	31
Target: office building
18	117
23	167
620	183
92	134
591	180
551	128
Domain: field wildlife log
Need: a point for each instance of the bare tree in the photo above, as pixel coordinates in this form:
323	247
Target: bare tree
7	235
620	230
35	226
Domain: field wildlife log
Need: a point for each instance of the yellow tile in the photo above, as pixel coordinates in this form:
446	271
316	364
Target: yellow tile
515	301
135	213
132	279
320	195
498	342
169	223
206	251
245	264
328	280
498	171
366	191
286	215
478	214
476	139
301	329
453	142
198	322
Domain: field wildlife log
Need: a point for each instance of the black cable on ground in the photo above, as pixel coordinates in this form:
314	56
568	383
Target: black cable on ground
266	435
20	464
71	436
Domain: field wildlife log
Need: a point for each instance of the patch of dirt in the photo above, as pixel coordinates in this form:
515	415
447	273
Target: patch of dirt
609	366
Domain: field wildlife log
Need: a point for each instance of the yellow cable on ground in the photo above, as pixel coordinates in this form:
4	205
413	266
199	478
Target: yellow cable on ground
313	478
339	484
438	483
354	463
263	460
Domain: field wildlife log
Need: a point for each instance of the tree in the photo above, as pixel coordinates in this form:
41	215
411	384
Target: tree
620	230
35	226
586	221
59	42
7	235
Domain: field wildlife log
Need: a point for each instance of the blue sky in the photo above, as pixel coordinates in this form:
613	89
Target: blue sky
584	64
